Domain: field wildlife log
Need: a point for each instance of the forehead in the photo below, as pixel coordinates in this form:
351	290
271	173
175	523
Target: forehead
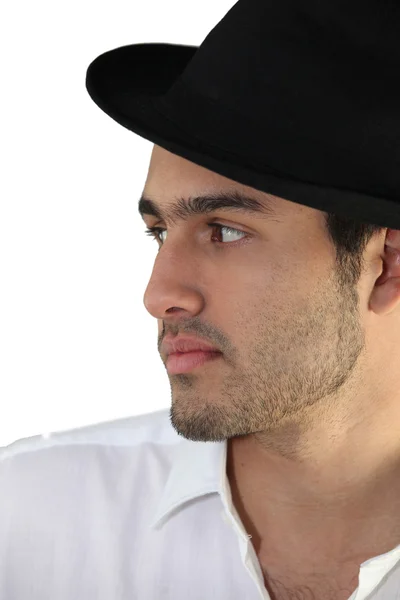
177	189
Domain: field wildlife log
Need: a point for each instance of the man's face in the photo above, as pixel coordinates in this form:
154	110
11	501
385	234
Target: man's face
290	336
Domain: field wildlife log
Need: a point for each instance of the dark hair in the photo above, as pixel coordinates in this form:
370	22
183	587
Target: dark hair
350	239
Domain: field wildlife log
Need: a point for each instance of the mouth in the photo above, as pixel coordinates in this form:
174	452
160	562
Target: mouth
183	362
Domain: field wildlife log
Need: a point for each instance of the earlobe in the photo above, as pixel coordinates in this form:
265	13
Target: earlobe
385	298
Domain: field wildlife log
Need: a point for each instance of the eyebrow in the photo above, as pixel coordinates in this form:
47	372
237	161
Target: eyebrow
234	201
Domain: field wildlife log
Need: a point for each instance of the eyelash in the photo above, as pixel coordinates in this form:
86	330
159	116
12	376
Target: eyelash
153	231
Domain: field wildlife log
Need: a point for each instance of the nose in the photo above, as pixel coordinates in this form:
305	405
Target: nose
171	290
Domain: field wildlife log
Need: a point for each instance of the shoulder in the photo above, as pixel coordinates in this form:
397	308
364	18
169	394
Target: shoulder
130	431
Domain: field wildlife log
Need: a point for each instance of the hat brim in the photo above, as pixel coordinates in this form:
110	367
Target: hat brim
126	84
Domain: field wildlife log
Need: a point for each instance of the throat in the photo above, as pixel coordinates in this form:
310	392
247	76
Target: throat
282	584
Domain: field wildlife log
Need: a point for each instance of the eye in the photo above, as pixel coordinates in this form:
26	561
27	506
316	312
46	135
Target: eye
155	232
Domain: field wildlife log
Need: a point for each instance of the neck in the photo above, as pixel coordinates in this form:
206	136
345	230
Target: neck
339	503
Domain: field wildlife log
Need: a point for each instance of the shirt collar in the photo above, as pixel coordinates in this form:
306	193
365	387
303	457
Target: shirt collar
198	468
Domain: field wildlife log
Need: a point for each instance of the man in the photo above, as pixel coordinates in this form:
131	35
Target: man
273	194
307	387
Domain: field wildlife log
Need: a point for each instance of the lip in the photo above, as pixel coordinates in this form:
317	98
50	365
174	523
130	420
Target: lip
185	344
182	362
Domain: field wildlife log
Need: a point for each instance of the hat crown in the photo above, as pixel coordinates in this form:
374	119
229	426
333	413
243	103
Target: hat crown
260	44
321	77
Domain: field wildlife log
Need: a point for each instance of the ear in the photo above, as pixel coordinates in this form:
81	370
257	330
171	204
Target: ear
385	296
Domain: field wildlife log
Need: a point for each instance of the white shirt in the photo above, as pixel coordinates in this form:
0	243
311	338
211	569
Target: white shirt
130	510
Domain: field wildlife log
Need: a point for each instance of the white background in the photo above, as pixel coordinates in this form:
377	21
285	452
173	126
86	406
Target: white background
77	345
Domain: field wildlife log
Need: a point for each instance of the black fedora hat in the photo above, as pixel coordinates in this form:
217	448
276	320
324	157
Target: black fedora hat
296	99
